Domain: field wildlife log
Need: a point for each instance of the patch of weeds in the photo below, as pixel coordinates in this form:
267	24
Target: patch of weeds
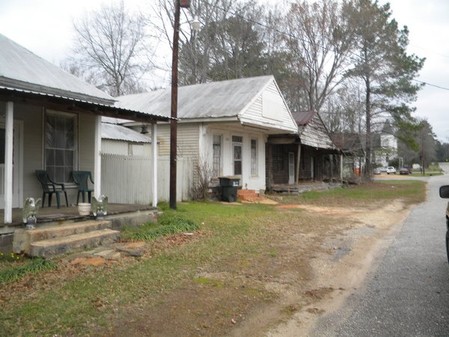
209	282
10	257
16	272
168	223
273	253
291	309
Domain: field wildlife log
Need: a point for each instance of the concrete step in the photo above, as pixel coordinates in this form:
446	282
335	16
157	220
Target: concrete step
24	237
62	245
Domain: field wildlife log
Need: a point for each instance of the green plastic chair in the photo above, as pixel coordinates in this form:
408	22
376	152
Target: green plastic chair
49	188
81	179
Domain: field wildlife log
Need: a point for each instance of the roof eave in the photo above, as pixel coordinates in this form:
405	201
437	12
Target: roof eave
23	95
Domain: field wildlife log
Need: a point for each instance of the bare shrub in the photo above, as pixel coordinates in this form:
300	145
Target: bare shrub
203	174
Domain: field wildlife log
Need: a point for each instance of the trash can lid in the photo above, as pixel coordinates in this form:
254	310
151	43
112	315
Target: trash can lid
230	177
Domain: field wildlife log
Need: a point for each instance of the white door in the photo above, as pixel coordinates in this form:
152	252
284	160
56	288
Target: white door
17	166
291	168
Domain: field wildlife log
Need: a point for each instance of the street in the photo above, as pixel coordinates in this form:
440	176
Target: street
407	292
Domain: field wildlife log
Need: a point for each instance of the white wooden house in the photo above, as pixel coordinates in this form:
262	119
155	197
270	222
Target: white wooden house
385	145
223	128
49	120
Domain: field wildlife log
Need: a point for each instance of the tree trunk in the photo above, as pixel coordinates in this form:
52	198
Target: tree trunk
368	145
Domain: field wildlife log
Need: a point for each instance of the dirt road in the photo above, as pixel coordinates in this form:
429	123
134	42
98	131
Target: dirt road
338	271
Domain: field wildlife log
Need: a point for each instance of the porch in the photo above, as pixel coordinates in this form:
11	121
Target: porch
53	214
119	215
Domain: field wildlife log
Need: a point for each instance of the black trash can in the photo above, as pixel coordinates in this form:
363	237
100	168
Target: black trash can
229	187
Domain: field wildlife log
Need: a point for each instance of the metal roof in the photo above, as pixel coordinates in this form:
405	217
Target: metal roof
206	100
21	69
118	132
26	75
303	117
313	132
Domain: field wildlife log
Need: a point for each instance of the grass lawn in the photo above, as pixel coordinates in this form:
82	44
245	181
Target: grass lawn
197	285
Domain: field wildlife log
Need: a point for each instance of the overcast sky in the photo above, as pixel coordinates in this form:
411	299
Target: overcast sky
45	27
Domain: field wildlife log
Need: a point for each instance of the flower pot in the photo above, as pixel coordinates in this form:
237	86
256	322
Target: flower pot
83	208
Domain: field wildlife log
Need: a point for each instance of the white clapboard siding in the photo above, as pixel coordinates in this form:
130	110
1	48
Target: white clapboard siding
128	180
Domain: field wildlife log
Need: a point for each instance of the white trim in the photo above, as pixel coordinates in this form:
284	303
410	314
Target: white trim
154	161
97	157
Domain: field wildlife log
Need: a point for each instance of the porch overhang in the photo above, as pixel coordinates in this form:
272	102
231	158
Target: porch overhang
71	104
268	127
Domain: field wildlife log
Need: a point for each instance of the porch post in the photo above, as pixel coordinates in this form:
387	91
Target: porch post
298	163
154	159
9	131
341	167
331	159
97	157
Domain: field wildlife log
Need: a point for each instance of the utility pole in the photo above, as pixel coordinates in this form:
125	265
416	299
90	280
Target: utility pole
174	101
174	106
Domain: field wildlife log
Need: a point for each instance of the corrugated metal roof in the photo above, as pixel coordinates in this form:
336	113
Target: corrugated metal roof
207	100
21	69
303	117
118	132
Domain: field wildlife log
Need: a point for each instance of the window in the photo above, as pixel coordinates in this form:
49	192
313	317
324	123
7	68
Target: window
254	166
60	146
237	148
216	155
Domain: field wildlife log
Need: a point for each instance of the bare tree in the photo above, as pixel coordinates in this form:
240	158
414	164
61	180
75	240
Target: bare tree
230	44
195	47
110	50
319	41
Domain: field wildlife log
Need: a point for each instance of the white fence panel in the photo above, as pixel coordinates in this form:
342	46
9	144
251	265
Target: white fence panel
128	180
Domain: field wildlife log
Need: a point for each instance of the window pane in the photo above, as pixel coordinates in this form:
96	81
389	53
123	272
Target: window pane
69	158
59	157
237	153
237	167
237	159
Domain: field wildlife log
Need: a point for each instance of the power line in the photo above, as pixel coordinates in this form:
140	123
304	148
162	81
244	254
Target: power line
431	85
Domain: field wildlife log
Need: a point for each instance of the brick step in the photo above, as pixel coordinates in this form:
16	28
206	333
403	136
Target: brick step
247	195
24	237
62	245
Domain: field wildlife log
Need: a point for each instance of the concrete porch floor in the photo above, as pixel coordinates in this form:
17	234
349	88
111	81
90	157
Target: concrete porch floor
54	214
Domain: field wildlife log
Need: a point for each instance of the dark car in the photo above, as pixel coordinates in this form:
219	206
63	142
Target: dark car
404	171
444	193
